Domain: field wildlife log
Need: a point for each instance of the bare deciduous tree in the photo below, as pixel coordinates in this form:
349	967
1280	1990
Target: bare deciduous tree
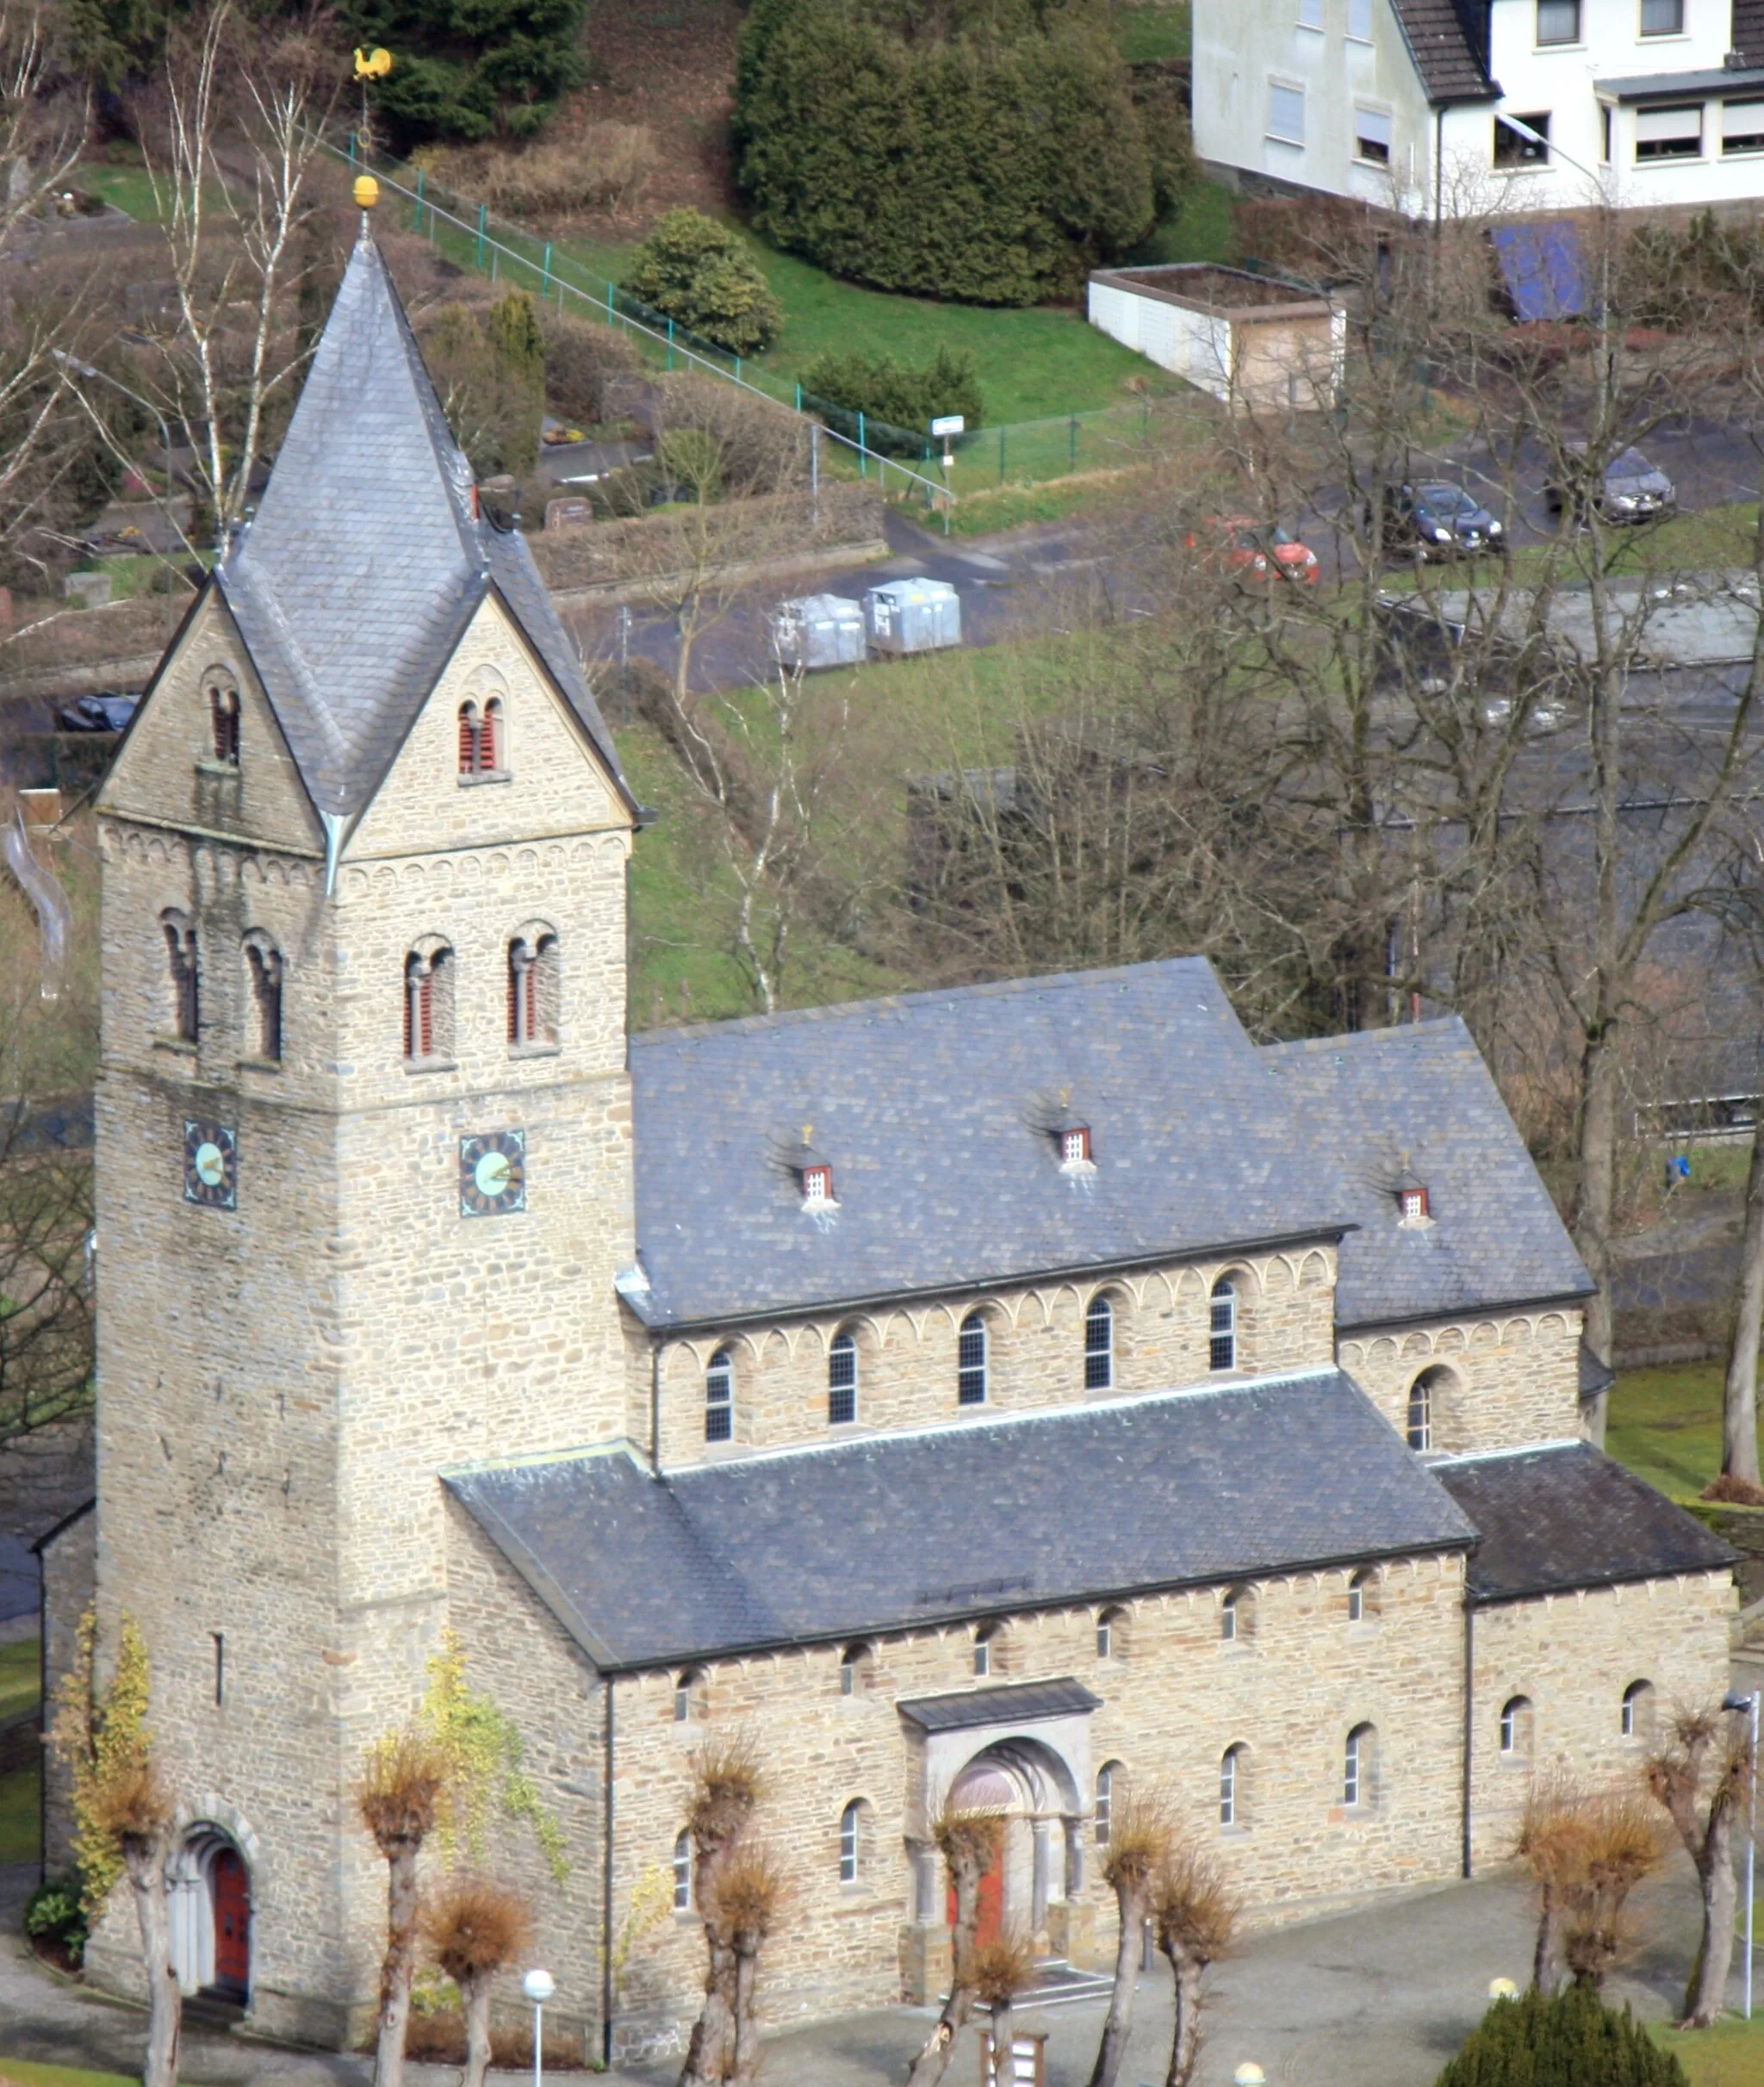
400	1801
970	1844
1139	1842
1001	1968
1194	1917
727	1785
1701	1777
476	1928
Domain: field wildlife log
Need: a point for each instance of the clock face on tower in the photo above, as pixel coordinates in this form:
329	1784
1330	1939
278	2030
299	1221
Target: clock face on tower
210	1165
492	1173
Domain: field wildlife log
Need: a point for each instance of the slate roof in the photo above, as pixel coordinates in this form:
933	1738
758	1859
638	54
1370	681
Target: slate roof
1747	36
365	562
1564	1517
935	1112
835	1541
1447	43
1023	1704
1422	1094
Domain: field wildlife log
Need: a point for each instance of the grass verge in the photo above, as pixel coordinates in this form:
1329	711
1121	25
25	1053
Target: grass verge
26	2074
1732	2055
1147	33
21	1677
1666	1425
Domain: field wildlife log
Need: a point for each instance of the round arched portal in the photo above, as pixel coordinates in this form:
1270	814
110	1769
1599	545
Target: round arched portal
211	1893
1034	1797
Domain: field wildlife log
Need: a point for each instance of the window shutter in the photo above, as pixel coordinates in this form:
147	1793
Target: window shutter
1662	126
1359	20
1286	114
1372	126
467	741
425	1016
1742	125
487	737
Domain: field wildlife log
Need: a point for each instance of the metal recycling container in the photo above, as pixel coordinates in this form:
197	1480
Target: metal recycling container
913	616
818	630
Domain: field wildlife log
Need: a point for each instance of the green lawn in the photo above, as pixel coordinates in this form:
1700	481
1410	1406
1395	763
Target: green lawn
1732	2055
1666	1425
21	1797
1147	32
1201	230
20	1673
27	2075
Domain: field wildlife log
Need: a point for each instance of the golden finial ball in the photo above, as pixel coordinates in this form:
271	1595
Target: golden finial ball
367	191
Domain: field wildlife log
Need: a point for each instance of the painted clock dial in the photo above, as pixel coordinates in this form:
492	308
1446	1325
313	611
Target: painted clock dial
492	1173
210	1165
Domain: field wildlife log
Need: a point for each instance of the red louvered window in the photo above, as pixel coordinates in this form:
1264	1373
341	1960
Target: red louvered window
489	737
467	738
223	711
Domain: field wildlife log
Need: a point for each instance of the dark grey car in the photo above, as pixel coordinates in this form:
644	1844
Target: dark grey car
1631	490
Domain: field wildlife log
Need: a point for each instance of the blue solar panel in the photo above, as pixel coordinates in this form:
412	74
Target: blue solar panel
1543	269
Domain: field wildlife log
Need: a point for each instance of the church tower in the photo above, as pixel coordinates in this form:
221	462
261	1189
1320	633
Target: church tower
364	1138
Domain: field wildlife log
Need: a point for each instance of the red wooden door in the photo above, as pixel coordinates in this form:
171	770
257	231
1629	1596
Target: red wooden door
990	1916
233	1922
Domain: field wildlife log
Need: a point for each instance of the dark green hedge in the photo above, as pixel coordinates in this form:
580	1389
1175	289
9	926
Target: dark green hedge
470	69
1573	2040
992	159
907	395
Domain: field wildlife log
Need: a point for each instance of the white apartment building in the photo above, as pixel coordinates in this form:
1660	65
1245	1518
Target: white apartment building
1400	103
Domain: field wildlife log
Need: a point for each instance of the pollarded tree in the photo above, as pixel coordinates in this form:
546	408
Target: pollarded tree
476	1928
399	1800
1193	1918
126	1816
727	1785
750	1898
970	1844
1700	1775
1139	1844
998	1971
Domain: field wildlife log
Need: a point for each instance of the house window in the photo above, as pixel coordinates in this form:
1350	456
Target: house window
1310	14
1638	1710
1359	1605
689	1696
1558	22
264	967
983	1649
1670	134
841	1381
1222	1326
183	976
1230	1787
1372	136
1359	21
1099	1344
719	1397
1105	1800
223	720
1111	1634
533	979
428	1006
1663	17
970	1362
1075	1148
1513	149
1414	1204
1359	1766
1516	1729
1236	1614
853	1668
1420	1430
480	740
683	1873
851	1842
1286	114
818	1187
1743	127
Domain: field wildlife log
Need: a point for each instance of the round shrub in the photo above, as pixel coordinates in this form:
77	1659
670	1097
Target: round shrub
995	162
54	1911
699	274
1572	2040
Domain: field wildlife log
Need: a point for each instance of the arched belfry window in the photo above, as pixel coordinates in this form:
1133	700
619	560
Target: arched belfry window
184	975
223	721
533	983
428	1004
482	738
263	969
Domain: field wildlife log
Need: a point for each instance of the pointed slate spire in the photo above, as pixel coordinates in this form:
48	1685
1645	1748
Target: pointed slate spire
367	558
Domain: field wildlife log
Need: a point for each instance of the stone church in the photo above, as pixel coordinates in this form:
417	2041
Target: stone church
1006	1393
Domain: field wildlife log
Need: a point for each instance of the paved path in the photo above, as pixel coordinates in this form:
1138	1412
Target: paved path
1377	1999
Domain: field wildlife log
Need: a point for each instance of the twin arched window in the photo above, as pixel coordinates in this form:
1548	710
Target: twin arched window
1099	1344
532	989
1221	1325
970	1362
482	740
719	1397
264	967
842	1379
185	977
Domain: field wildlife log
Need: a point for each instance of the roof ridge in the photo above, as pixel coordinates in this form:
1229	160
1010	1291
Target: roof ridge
742	1025
1430	1025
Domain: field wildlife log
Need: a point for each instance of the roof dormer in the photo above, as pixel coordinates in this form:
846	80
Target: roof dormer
1413	1205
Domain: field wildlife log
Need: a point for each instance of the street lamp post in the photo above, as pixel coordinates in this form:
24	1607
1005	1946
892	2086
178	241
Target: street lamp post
538	1987
1749	1705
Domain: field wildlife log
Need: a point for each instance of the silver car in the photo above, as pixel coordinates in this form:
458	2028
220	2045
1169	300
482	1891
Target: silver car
1630	490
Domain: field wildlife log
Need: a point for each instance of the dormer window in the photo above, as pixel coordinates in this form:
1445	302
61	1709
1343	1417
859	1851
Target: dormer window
1413	1203
818	1187
1075	1146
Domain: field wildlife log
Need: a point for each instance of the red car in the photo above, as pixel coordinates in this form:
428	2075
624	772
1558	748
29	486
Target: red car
1249	550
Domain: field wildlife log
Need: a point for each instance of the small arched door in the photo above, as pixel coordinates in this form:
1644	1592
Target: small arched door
233	1924
991	1917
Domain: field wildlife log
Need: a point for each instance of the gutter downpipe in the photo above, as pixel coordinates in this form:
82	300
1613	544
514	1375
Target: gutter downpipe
1469	1713
607	1897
